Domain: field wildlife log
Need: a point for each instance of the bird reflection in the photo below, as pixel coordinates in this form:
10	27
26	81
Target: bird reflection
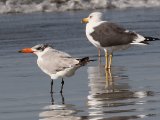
102	81
57	111
110	93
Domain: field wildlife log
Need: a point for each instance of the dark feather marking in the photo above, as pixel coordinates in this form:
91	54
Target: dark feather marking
84	61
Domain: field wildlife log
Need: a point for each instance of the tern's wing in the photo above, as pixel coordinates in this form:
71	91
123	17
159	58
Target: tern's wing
54	61
60	53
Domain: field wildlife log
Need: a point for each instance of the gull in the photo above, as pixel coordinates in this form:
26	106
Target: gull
55	63
110	36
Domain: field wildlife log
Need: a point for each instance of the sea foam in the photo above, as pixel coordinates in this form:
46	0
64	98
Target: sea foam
27	6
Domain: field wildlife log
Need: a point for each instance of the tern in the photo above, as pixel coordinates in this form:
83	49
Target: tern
55	63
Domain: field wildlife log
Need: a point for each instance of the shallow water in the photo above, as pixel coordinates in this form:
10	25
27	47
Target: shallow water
131	93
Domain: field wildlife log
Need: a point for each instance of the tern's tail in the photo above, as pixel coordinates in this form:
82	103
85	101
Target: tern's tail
84	61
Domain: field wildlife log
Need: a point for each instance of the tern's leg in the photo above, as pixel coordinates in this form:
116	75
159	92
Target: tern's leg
51	86
99	52
63	102
52	99
110	60
106	56
62	83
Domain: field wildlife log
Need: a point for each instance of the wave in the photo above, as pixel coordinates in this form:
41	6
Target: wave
27	6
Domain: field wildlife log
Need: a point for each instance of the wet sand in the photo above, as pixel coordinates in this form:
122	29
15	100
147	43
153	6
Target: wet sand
131	93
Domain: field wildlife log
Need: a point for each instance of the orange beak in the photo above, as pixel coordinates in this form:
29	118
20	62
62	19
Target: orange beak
85	20
26	50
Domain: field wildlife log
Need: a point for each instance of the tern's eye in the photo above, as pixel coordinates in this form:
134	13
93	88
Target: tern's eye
39	48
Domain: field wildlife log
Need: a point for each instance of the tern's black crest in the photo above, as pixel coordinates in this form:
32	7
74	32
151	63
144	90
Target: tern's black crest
41	47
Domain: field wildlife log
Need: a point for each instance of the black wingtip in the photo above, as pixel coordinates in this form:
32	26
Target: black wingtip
85	60
151	38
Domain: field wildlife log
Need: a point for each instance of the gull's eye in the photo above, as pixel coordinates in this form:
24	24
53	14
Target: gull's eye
39	48
90	16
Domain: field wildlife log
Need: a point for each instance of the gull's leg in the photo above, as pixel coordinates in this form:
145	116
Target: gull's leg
99	52
106	56
51	86
62	83
110	60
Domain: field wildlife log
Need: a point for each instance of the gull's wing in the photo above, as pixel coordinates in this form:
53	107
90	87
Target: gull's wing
109	34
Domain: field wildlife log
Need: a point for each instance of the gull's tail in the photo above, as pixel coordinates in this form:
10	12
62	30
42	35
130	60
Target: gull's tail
84	61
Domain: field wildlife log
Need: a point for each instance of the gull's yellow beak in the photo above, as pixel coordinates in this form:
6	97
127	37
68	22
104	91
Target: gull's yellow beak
26	50
85	20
